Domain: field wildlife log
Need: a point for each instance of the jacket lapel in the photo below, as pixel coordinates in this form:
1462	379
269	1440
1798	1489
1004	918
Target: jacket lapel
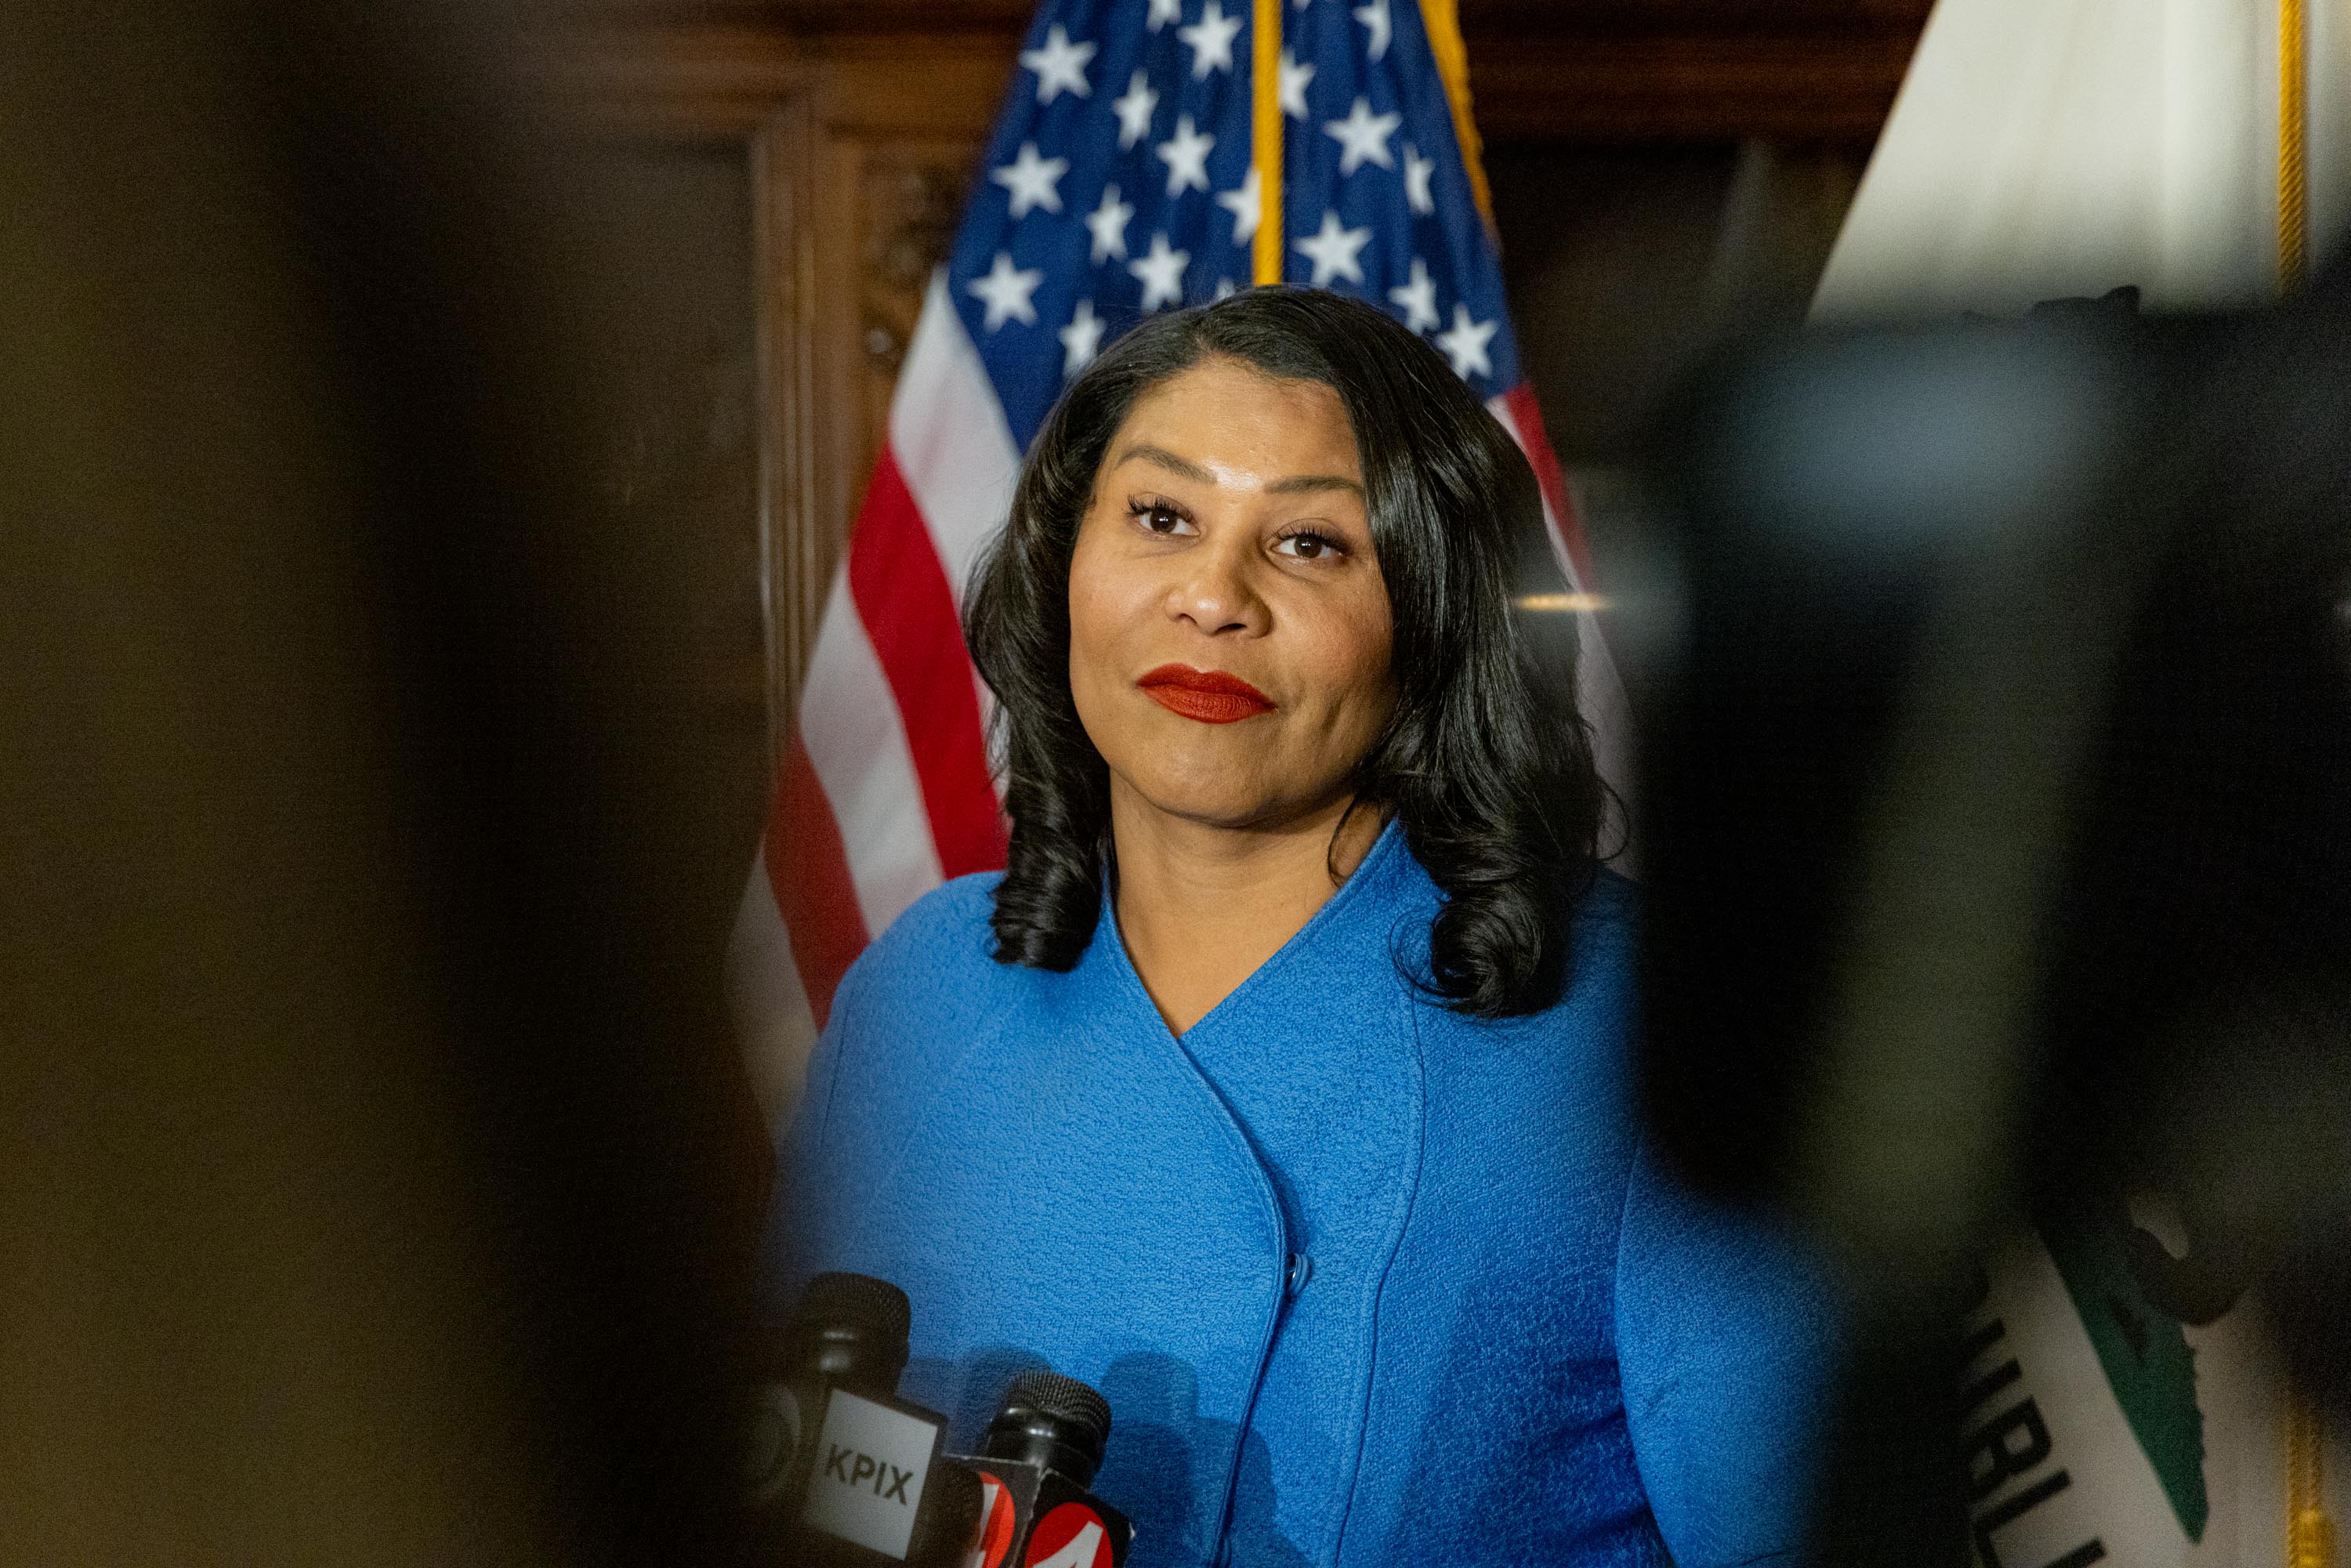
1076	1195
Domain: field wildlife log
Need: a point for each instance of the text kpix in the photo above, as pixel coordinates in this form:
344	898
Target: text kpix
856	1469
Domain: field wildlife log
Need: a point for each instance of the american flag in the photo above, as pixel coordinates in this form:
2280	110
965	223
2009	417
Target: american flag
1151	154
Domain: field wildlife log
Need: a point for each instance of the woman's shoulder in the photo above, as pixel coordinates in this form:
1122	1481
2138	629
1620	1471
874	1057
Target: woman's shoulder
1610	905
946	925
1603	938
914	998
939	948
1579	1045
1604	933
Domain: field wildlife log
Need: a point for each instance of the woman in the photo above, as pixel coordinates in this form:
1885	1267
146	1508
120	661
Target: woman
1278	1088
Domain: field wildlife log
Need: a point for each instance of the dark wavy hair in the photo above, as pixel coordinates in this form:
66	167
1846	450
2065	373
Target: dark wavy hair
1486	764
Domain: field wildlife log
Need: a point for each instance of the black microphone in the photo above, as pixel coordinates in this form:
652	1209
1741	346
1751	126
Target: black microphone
842	1470
1040	1455
849	1330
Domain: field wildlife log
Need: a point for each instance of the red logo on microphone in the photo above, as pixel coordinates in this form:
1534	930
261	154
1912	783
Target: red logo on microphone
995	1541
1071	1536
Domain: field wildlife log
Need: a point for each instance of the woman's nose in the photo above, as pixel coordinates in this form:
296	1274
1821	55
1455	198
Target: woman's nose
1213	590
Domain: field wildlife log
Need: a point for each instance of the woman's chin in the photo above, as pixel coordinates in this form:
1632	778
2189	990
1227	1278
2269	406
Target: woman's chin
1211	807
1226	796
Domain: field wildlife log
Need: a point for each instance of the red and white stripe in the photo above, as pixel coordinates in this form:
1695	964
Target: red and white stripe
884	791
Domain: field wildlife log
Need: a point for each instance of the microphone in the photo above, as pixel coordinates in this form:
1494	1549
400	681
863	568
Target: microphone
1040	1455
848	1331
842	1470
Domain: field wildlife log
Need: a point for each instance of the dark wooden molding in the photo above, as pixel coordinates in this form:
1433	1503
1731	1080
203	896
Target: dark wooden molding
1650	70
1538	18
1523	18
1627	87
1574	70
800	18
795	553
720	80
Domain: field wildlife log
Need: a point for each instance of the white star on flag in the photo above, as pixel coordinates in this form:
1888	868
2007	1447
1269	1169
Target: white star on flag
1374	16
1333	250
1107	223
1162	272
1031	180
1135	110
1243	204
1211	38
1081	338
1225	289
1060	65
1417	171
1164	12
1362	136
1465	344
1185	154
1006	290
1418	297
1295	79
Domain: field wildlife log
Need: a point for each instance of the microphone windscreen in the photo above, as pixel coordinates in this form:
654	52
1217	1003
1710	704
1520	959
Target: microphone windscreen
1064	1398
876	1305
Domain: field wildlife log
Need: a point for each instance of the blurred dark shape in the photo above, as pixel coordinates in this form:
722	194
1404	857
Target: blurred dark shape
1997	825
1630	264
380	1181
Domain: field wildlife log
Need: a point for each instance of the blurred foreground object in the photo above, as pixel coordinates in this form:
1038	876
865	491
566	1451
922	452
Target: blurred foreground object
2187	154
1998	857
367	1195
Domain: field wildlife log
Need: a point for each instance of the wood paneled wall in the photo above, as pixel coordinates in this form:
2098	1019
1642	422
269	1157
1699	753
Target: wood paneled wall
858	148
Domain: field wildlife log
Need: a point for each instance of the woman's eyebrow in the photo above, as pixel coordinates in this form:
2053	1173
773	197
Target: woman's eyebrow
1297	484
1304	481
1162	458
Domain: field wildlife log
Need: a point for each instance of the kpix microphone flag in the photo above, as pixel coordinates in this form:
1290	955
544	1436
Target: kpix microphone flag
1151	154
843	1473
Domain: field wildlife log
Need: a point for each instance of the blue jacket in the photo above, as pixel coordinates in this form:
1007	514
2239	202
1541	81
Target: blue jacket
1364	1281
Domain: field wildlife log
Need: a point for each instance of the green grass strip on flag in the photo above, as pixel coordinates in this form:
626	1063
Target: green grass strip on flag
2143	1354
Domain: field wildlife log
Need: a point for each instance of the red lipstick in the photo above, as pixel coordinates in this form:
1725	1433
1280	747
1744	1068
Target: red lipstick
1211	697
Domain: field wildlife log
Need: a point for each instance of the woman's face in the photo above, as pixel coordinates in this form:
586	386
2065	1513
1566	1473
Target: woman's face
1229	626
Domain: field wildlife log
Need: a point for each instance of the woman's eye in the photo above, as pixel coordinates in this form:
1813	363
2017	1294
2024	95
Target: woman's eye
1159	517
1306	546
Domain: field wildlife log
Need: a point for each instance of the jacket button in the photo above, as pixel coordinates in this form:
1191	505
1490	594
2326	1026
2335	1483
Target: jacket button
1301	1268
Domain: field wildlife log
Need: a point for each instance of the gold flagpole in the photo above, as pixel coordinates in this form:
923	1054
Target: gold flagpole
2293	129
1443	20
1265	139
2309	1533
